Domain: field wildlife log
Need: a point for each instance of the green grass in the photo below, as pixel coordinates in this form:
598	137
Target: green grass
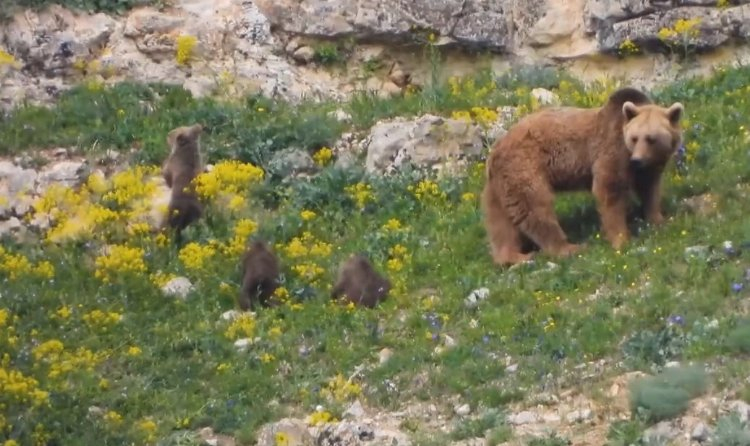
188	374
109	6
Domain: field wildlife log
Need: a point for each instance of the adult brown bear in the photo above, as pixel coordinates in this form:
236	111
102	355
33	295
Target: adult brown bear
612	150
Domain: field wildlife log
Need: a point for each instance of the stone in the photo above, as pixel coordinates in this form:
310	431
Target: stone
304	54
10	226
294	430
578	416
700	433
476	296
511	368
742	409
230	315
423	142
662	431
462	410
178	287
243	344
524	417
68	173
291	161
545	97
355	411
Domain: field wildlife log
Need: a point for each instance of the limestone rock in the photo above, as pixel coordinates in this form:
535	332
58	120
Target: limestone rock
295	431
178	287
423	142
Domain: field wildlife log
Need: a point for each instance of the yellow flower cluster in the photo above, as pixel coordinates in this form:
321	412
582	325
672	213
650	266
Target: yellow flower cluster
427	191
466	88
100	319
61	361
361	193
242	326
121	259
228	177
398	257
17	388
308	248
627	46
8	59
185	45
16	266
392	225
340	389
323	156
243	229
320	417
483	116
194	256
683	28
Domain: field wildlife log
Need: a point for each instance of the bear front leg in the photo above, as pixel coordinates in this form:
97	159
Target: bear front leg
612	205
647	187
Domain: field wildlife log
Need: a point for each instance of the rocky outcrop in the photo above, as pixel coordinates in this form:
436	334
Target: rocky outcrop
274	47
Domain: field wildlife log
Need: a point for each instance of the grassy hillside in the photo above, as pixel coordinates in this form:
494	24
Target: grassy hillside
93	353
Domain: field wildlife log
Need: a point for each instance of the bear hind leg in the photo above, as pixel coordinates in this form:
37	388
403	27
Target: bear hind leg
534	214
505	239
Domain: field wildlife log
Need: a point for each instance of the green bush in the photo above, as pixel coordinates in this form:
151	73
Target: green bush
667	394
731	431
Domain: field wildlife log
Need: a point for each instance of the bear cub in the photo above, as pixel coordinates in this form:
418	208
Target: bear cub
179	169
613	150
358	282
260	277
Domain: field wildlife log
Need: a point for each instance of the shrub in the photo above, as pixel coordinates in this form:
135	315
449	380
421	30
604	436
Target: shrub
667	394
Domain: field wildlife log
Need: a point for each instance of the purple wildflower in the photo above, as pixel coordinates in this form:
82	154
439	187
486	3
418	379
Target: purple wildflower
676	320
737	287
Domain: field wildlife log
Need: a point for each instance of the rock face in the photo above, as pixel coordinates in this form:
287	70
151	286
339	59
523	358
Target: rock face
233	47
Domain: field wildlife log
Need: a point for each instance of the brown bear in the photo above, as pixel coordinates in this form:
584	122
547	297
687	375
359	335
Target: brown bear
622	146
260	277
180	168
359	283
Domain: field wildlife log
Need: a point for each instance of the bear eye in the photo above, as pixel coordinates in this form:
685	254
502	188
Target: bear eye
650	139
634	139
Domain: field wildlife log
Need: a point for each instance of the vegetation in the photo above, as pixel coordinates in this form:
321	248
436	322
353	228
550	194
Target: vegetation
93	353
111	6
667	394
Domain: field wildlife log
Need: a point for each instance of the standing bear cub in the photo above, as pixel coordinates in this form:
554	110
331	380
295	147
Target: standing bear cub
183	164
612	150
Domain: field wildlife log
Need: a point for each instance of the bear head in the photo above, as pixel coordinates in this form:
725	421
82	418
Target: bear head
652	133
186	137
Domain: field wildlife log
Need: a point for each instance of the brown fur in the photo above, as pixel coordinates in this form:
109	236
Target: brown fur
359	283
611	150
180	168
260	274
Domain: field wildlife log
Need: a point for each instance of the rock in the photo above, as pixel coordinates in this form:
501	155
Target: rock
359	433
399	77
384	355
462	410
68	173
291	161
423	142
10	226
700	433
698	251
295	431
672	364
230	315
578	416
511	368
341	116
525	417
355	411
476	296
742	409
304	54
448	341
662	431
545	97
242	344
178	287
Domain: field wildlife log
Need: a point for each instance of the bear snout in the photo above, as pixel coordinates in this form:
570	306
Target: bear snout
636	163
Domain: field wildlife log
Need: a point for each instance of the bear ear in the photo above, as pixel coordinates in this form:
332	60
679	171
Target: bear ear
674	113
629	110
197	129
